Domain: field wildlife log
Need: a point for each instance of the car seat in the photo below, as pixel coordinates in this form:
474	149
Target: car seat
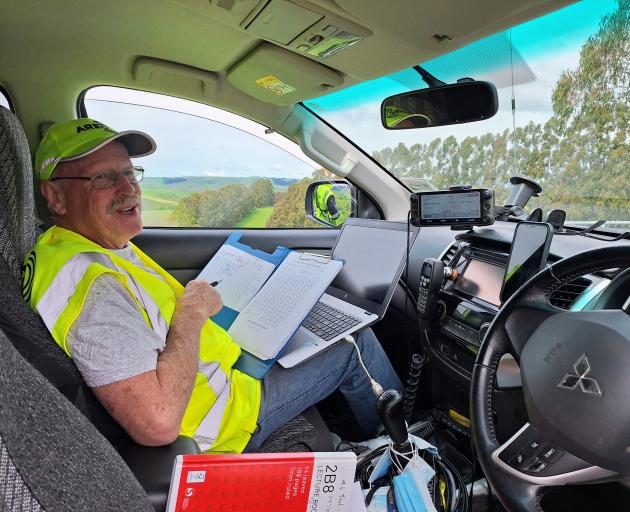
51	457
19	228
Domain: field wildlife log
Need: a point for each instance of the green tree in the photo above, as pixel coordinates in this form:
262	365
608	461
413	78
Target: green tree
289	212
591	124
220	208
261	193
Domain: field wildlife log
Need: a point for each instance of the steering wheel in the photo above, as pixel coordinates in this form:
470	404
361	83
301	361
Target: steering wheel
575	370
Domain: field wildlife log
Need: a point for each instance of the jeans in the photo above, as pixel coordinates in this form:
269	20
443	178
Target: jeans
286	392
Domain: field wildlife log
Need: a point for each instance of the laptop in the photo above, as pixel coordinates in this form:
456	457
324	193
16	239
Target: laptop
374	254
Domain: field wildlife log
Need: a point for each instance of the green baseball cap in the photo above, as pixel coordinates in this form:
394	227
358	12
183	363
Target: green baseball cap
80	137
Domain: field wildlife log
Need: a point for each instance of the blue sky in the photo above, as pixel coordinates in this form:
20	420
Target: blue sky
192	146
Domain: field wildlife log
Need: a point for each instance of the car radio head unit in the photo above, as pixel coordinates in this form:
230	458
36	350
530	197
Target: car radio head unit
461	207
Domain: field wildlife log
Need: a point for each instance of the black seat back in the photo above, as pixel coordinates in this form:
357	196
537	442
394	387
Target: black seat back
52	458
19	229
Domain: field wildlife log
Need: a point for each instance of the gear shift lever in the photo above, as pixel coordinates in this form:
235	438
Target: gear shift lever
389	408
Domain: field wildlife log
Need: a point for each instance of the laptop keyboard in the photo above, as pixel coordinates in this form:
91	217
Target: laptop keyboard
327	322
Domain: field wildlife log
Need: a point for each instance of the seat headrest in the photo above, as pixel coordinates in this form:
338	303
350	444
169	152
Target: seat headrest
19	225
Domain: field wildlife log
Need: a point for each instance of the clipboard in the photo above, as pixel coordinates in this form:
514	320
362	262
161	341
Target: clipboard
248	362
226	316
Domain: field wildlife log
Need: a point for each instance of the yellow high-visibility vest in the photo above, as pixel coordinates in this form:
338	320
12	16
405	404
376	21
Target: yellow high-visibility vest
58	273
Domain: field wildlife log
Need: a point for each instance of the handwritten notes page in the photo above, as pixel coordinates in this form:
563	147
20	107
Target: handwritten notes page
240	275
272	316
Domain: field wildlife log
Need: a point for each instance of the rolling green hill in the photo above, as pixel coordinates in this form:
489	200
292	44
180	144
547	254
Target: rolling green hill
183	186
161	196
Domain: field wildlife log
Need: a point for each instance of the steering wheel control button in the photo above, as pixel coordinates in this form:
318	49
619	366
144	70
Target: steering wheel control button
536	466
533	446
519	451
551	454
521	460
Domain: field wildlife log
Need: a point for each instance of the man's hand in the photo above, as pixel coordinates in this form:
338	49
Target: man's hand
198	302
151	406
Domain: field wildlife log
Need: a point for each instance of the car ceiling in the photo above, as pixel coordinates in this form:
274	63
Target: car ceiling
212	50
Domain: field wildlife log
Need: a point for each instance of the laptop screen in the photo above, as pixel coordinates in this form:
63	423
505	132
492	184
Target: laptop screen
374	256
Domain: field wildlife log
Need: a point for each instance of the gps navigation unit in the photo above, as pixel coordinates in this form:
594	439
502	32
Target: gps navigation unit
461	207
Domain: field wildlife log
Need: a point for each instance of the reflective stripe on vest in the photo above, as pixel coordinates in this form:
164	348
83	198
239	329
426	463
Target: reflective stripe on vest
64	285
158	323
208	429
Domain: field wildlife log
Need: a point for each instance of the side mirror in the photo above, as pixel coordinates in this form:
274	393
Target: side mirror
329	202
462	102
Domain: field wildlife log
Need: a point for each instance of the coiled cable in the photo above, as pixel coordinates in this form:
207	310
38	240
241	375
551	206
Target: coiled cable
411	389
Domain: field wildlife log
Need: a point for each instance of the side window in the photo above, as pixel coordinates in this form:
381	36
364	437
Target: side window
211	168
4	99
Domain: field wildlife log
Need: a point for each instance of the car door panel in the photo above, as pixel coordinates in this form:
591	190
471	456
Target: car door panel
184	252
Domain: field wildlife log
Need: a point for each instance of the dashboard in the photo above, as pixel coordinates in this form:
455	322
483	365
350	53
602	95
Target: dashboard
468	303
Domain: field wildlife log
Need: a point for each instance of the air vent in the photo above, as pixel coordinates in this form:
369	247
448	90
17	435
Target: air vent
449	254
518	414
567	294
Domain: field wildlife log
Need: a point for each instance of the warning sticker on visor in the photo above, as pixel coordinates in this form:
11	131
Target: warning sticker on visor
275	85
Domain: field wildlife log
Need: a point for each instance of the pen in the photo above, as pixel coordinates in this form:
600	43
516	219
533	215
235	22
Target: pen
214	283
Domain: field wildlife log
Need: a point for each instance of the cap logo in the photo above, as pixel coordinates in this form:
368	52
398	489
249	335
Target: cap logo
90	126
54	161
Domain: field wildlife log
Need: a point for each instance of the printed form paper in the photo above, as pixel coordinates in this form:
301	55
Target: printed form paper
273	315
240	275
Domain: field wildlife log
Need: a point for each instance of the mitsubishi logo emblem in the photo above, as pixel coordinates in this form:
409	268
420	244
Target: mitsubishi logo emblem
587	384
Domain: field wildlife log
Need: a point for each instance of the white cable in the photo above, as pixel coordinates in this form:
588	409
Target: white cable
392	450
376	387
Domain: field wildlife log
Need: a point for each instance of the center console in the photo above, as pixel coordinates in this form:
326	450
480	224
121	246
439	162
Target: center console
467	304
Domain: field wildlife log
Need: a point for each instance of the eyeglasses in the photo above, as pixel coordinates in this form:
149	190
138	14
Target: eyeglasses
107	179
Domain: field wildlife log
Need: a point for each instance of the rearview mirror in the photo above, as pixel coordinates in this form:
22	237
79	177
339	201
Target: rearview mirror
462	102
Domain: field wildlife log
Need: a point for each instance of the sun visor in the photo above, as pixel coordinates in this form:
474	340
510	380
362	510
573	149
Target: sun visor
274	75
177	79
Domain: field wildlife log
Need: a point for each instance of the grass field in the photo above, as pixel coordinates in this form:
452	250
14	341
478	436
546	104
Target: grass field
156	218
257	219
161	218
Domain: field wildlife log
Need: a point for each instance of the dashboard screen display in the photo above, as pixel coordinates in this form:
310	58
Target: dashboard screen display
482	280
461	205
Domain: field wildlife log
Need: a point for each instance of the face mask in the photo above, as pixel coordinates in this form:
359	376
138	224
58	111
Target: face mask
383	464
411	487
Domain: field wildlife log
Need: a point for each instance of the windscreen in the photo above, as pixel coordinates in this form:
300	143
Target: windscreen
564	88
372	258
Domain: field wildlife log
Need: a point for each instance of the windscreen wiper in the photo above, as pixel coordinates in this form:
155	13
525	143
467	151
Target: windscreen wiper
587	233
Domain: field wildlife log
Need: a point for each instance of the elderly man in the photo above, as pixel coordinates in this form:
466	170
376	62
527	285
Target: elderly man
144	343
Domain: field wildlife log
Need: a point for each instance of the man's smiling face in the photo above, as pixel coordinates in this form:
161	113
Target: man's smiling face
109	217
